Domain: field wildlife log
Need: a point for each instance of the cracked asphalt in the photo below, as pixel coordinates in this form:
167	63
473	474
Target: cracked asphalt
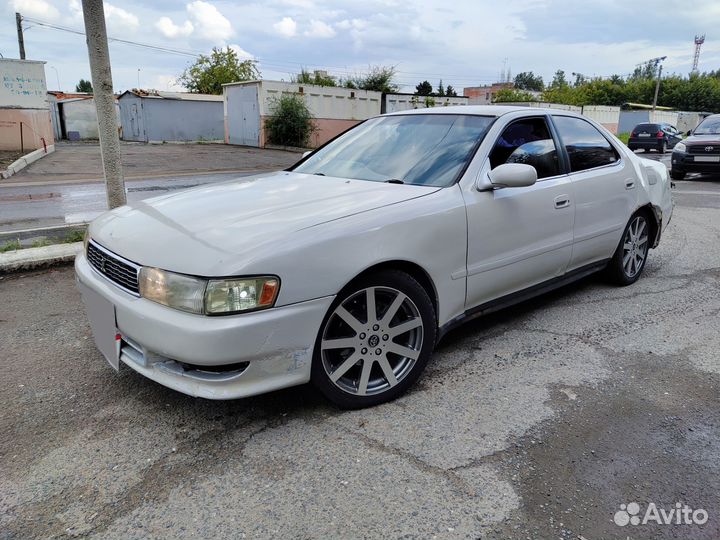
535	422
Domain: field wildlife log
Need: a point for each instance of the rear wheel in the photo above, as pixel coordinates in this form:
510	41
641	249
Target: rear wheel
629	259
375	340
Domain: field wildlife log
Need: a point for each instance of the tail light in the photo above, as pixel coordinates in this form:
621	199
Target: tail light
633	134
660	134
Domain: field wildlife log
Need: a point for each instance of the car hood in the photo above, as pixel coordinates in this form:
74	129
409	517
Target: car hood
210	229
703	139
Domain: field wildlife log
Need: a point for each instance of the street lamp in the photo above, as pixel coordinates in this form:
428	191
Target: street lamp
658	61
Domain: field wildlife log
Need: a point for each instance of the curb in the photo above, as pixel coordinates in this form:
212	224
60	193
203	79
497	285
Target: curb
40	257
58	232
27	159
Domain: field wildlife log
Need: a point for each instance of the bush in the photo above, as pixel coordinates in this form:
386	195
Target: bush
291	123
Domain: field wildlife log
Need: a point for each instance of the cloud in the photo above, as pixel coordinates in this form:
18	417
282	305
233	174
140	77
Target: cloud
287	27
319	29
120	20
171	30
36	8
242	53
305	4
208	22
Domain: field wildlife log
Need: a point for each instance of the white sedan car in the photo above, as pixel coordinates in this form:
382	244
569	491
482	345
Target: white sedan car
347	268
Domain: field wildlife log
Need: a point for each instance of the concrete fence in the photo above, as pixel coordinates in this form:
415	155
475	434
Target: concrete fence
248	104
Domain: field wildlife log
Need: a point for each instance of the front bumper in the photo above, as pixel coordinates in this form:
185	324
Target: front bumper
276	344
683	162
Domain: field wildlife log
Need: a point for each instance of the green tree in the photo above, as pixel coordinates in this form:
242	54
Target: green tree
527	80
441	89
290	122
510	95
450	91
209	73
423	89
377	79
316	77
84	86
559	80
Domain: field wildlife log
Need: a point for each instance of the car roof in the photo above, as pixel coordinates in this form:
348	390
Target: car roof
483	110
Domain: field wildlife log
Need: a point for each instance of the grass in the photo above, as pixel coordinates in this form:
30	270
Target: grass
12	245
623	137
70	238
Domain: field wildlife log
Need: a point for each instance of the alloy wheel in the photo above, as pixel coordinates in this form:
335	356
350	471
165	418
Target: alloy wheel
371	341
635	246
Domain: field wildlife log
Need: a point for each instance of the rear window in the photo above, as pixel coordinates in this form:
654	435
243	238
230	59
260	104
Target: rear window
648	127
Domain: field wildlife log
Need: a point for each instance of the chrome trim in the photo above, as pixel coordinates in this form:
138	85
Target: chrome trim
109	253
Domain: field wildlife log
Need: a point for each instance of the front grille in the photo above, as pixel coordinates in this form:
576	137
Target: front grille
705	149
120	272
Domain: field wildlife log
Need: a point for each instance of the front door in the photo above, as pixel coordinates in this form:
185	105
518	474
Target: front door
520	237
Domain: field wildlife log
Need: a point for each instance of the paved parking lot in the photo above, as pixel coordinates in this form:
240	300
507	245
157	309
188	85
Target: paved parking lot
536	422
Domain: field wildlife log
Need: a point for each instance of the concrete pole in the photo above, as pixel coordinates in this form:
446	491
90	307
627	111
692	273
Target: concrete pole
21	39
657	88
99	55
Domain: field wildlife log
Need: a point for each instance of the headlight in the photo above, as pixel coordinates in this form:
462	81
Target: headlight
209	297
173	290
680	147
224	296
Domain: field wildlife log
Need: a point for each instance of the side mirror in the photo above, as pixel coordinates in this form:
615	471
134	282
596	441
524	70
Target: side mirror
688	132
306	154
510	175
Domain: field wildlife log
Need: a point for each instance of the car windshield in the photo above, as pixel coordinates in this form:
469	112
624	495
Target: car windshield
709	126
420	149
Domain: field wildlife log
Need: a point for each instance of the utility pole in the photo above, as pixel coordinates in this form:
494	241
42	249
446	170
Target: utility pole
21	40
99	55
657	84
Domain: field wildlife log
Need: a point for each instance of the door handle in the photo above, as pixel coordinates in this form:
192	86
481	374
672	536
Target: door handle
629	184
562	201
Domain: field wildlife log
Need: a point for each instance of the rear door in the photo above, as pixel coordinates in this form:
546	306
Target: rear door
604	186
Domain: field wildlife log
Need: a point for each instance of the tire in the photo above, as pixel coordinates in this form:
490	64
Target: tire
677	175
360	362
631	254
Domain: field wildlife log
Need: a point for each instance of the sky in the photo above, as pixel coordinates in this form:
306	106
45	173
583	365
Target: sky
463	42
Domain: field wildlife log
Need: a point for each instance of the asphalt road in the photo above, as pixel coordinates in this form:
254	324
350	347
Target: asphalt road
536	422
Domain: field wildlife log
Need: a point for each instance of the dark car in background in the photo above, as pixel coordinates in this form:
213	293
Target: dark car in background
700	152
658	137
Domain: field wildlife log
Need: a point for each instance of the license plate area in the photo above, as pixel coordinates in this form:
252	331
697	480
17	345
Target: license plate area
643	134
101	315
708	159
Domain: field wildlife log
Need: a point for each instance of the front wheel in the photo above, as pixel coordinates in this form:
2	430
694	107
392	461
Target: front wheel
375	340
629	259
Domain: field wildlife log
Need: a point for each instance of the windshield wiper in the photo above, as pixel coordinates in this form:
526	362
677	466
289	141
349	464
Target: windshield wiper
394	181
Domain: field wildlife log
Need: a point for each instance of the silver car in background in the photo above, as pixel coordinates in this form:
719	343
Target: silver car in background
346	269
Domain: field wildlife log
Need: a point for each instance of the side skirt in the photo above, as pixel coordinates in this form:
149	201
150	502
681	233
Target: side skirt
520	296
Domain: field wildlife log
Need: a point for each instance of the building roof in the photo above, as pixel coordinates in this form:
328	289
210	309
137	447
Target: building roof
182	96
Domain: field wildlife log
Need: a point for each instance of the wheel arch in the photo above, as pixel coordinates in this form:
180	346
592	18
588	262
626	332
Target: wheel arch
654	215
414	270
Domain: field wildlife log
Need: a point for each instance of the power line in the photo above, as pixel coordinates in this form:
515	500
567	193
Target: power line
405	77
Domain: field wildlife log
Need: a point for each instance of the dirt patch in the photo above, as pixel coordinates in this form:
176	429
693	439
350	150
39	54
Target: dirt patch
7	157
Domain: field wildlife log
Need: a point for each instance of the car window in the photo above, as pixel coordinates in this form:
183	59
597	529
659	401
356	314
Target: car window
709	126
420	149
587	148
527	141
